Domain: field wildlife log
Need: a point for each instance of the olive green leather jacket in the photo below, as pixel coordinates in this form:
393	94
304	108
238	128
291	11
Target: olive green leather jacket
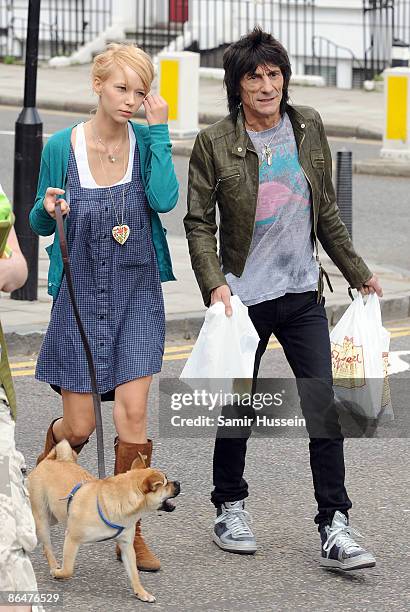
224	168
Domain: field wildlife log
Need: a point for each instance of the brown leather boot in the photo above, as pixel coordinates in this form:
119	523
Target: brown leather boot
125	453
50	443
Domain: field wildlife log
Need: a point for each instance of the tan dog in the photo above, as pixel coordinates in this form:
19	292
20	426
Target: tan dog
97	510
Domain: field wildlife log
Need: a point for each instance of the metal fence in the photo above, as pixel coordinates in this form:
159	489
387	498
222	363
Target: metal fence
401	26
385	22
208	26
378	34
64	25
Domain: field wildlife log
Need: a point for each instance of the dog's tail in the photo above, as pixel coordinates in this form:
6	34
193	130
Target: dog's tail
64	452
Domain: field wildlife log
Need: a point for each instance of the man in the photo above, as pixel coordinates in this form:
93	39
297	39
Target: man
268	165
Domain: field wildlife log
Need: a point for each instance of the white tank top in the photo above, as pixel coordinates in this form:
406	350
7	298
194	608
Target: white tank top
86	178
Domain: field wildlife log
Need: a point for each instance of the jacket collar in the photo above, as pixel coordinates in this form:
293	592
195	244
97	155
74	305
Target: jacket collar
242	142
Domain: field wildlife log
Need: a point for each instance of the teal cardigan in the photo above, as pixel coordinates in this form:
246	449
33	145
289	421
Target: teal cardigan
158	177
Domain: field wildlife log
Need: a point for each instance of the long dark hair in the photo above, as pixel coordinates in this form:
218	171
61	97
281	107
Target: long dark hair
258	48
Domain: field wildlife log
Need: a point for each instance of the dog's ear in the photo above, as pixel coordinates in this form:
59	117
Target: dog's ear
139	462
152	482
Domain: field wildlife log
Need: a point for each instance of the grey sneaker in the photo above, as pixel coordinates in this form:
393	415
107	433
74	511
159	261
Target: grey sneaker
231	531
339	550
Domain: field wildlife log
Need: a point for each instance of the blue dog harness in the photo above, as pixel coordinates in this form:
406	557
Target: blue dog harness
69	499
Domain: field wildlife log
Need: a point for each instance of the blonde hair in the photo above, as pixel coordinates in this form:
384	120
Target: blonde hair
123	54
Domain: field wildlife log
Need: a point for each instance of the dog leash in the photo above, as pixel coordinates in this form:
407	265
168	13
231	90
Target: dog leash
90	361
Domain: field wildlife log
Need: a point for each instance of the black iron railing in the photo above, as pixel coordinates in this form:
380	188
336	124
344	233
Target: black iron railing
401	26
65	25
378	33
208	26
327	57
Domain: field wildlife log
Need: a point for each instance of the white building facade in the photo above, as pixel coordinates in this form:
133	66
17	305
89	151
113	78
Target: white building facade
343	41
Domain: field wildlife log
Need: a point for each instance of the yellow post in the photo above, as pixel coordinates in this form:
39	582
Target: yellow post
178	75
169	85
396	139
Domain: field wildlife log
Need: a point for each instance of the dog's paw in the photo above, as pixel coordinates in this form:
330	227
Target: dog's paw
143	595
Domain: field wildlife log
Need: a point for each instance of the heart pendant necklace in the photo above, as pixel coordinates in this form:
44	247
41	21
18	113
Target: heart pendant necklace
121	231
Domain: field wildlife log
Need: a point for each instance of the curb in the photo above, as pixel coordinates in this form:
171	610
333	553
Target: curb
184	148
188	325
382	167
332	129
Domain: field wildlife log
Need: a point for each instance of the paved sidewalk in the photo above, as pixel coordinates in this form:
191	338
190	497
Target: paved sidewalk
183	303
347	113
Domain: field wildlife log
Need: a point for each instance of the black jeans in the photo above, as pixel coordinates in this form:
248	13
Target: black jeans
300	325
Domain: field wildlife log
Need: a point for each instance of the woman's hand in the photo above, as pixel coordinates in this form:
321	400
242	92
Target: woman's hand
156	109
49	201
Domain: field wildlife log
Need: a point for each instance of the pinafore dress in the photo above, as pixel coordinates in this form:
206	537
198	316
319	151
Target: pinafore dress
118	291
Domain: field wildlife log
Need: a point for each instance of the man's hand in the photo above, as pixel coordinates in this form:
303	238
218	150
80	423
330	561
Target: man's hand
222	294
371	286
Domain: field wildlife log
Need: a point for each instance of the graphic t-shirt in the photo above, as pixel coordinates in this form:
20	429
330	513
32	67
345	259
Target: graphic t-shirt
281	257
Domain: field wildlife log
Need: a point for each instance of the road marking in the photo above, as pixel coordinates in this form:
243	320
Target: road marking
172	353
23	373
12	133
177	349
22	364
400	334
396	364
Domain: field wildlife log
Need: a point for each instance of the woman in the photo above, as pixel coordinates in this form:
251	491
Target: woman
116	176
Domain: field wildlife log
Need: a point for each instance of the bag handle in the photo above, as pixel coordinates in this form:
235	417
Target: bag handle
90	361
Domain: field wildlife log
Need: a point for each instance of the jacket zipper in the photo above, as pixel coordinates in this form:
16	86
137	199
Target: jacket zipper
325	194
321	269
225	178
311	189
220	180
254	216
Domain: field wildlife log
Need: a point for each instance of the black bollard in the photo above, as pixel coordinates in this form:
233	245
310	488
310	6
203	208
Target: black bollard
27	155
344	189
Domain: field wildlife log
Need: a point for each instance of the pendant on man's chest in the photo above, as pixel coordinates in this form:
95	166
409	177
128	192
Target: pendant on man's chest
268	154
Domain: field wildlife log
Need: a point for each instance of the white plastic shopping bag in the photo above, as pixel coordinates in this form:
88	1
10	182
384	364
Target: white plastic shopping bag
225	348
374	320
360	347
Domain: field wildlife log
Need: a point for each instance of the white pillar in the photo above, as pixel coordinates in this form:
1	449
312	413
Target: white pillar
396	134
124	13
344	75
178	83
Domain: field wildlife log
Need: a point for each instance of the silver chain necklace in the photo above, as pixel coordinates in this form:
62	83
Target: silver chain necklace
111	156
266	152
121	231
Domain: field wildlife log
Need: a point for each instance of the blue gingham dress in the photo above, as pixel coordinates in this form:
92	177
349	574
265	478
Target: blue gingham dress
118	291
